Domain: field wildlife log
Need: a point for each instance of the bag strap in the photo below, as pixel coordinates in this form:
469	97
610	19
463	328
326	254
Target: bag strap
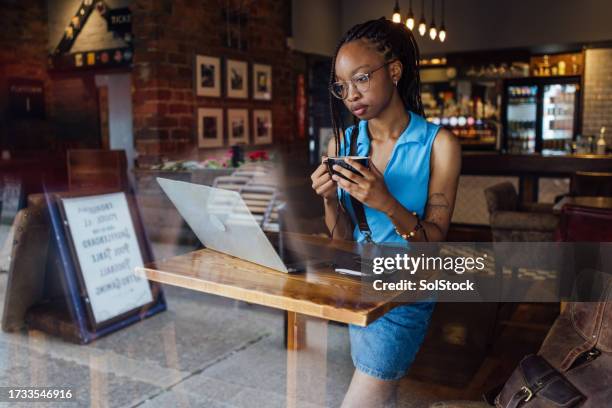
362	222
543	379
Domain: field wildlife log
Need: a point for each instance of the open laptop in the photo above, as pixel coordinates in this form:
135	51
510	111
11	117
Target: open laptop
222	221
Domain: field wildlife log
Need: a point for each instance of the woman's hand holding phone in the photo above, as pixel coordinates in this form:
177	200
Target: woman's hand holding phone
370	188
322	182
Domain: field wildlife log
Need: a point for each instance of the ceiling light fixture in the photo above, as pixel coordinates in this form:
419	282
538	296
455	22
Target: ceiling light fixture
422	23
410	19
397	17
442	33
433	31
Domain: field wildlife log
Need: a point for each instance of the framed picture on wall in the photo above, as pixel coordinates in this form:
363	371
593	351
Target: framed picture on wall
236	78
262	82
208	76
210	127
262	123
238	126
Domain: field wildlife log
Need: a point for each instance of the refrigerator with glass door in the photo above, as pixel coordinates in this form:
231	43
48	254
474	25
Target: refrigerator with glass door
540	114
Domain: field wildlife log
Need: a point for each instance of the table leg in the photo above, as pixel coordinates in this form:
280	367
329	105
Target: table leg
306	351
528	189
296	331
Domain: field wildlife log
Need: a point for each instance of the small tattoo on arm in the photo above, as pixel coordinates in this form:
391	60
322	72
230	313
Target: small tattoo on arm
437	208
437	200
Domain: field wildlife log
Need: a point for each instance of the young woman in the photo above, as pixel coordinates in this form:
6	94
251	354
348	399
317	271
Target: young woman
414	169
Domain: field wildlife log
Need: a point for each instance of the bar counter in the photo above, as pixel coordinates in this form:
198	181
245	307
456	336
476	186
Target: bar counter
495	163
537	178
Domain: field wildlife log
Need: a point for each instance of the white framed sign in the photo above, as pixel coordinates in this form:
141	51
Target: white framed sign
107	251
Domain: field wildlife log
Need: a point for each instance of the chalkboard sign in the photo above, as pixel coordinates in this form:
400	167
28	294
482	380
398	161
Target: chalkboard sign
120	20
26	98
72	270
107	250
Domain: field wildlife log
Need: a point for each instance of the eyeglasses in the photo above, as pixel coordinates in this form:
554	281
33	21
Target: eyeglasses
361	81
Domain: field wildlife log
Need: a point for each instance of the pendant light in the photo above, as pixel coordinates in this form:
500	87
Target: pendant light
422	23
410	19
397	18
433	31
442	33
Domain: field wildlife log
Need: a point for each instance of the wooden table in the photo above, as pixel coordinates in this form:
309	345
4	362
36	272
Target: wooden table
318	293
584	201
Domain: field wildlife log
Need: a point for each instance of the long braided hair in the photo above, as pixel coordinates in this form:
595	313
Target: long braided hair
393	41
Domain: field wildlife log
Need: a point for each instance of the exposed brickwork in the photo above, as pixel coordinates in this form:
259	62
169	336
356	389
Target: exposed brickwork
598	93
71	99
168	36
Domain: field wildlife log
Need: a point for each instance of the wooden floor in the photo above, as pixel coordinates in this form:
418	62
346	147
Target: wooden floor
512	342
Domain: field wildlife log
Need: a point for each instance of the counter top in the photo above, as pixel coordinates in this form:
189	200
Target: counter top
496	163
470	153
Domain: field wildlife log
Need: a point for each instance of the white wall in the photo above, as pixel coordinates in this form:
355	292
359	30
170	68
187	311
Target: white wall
490	24
121	135
316	25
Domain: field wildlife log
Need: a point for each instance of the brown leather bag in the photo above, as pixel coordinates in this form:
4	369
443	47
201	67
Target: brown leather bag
574	365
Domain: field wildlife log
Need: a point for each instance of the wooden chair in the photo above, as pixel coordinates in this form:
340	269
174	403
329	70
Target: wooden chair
97	169
249	173
262	203
230	182
264	167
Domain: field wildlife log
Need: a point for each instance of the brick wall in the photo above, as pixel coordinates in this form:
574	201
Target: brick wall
598	93
73	96
30	30
167	37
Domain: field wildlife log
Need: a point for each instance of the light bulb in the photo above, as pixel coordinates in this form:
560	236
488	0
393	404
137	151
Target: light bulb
422	28
442	34
397	17
433	32
410	23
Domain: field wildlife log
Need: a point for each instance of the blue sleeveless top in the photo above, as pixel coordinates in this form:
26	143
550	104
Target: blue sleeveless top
406	175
